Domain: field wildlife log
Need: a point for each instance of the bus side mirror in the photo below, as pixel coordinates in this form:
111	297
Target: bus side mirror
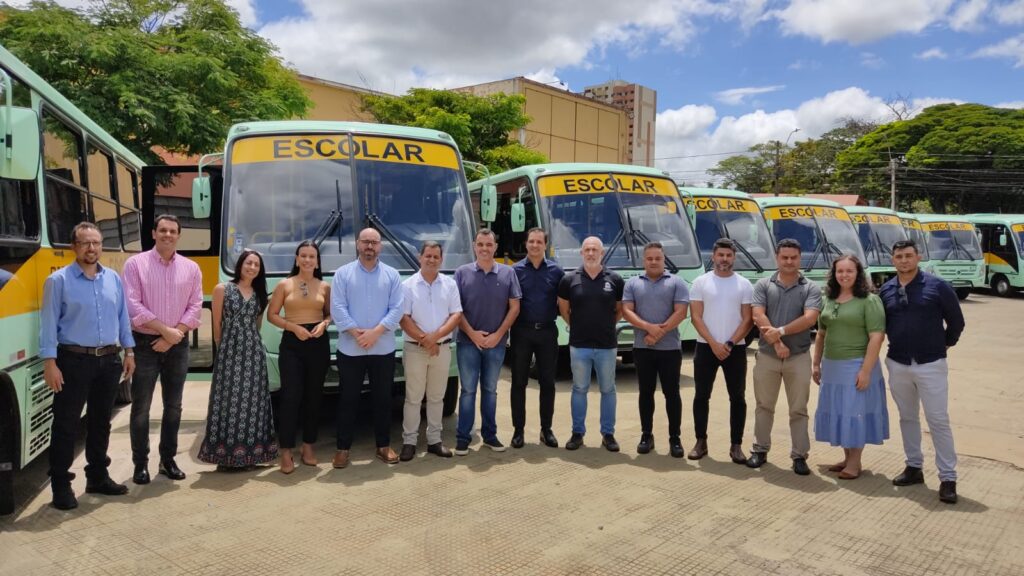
19	143
518	216
489	203
1002	239
201	197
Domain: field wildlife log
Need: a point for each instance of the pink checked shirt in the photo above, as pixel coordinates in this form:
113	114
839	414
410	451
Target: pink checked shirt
170	292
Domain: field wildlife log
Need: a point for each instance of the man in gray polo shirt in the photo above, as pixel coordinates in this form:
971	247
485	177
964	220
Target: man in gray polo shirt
785	307
655	303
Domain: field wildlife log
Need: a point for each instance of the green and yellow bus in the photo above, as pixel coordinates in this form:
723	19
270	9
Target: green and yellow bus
625	206
878	229
57	168
912	226
822	227
1002	242
718	213
955	251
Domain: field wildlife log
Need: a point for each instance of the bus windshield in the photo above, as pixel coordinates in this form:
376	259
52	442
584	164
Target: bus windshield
953	241
282	190
877	233
625	211
823	233
739	220
914	232
1018	230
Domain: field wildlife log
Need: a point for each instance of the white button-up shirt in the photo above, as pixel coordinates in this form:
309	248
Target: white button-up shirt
430	305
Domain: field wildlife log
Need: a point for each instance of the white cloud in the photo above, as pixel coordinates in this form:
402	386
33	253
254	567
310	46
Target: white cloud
871	60
804	65
935	53
735	96
1010	13
967	16
246	11
1016	104
858	21
1012	48
919	104
549	77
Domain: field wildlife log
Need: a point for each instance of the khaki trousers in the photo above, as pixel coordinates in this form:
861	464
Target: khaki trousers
769	375
424	375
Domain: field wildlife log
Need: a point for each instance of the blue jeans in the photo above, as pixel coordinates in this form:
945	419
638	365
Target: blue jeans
584	361
483	367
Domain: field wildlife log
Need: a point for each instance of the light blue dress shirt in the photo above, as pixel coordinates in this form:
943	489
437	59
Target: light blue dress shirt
83	311
362	298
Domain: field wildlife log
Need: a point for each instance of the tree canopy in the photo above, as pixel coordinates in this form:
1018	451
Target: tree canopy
170	73
481	125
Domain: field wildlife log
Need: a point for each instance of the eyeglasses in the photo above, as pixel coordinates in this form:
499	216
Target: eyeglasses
902	292
369	242
305	289
89	244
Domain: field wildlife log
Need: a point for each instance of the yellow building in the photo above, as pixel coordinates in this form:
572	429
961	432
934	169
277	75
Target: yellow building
335	101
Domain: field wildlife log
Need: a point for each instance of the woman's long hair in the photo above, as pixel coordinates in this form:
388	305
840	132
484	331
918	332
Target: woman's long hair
259	283
317	273
861	287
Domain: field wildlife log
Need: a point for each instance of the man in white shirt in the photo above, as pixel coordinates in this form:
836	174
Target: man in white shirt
720	309
431	310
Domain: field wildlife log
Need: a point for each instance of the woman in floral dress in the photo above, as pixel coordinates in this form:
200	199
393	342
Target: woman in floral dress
240	422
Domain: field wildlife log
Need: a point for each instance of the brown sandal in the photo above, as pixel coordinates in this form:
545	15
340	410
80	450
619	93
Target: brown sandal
287	466
837	467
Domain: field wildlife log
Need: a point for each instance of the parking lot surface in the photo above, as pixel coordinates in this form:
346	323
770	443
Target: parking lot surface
540	510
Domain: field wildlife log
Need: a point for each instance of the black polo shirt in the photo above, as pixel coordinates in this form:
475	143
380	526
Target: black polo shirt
539	285
592	307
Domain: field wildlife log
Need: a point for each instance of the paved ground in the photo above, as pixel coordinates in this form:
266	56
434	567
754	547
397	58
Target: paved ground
545	511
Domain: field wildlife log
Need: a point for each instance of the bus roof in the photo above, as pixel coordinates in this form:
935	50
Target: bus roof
715	192
996	218
307	126
942	218
26	76
537	170
870	210
798	201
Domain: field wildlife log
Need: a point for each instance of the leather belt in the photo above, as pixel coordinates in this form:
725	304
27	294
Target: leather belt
101	351
535	325
441	343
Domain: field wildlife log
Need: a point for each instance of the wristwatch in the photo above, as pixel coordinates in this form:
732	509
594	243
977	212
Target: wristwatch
729	343
782	330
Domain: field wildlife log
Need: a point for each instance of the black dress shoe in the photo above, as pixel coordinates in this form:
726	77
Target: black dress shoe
700	450
106	487
609	443
675	447
800	466
141	475
170	469
574	442
517	439
439	450
646	444
408	452
910	476
736	454
757	459
64	499
548	439
947	491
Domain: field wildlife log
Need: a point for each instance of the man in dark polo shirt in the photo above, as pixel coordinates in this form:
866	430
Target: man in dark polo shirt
785	307
490	303
590	302
534	335
922	320
655	303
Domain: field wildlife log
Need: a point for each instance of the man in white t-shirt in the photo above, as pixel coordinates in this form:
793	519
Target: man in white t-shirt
720	310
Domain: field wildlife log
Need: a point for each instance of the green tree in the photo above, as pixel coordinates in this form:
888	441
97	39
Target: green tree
966	157
170	73
751	173
481	125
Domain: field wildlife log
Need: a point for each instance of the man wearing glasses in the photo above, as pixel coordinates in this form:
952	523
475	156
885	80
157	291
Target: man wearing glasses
922	320
83	326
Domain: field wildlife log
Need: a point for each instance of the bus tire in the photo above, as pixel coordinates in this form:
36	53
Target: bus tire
963	293
1001	286
451	396
124	392
10	425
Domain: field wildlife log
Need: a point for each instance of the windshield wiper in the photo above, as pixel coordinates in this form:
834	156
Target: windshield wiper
881	247
623	215
619	237
643	238
329	224
374	221
743	249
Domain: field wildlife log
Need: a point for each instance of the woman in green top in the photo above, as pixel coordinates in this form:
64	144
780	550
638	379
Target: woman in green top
851	398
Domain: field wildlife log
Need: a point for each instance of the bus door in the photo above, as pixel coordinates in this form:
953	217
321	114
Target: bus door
168	190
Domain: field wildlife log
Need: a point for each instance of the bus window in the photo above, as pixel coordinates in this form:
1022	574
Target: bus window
98	169
19	210
127	186
105	217
66	206
130	226
62	148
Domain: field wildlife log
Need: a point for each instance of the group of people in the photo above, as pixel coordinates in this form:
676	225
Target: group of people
90	315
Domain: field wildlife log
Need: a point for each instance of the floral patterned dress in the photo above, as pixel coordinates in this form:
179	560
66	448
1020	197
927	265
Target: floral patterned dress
240	421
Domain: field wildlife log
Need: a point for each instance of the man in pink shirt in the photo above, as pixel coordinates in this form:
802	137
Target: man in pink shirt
165	297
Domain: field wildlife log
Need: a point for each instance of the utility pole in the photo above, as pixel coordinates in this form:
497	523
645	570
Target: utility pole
892	184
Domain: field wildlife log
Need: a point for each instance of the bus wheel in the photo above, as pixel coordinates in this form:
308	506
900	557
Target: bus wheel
124	392
451	396
963	293
1001	286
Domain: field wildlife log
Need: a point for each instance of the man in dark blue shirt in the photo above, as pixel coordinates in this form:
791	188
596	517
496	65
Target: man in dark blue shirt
534	335
922	320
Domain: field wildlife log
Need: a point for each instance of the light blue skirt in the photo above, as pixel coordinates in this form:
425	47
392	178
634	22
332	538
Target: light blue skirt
846	416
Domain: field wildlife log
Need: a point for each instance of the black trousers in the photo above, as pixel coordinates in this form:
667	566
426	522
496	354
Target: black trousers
527	343
92	381
652	365
734	368
304	366
352	370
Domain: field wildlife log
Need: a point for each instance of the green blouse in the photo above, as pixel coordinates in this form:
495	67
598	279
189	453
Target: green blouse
848	325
